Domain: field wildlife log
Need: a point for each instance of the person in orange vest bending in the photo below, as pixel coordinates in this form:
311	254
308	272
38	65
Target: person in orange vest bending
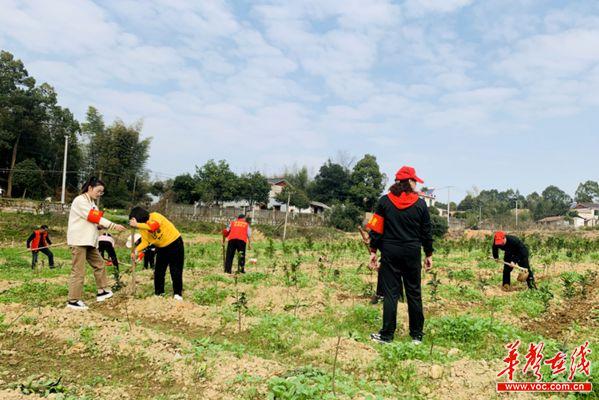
238	234
39	241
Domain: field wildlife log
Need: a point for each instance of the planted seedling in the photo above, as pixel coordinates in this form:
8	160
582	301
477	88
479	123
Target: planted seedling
240	304
434	284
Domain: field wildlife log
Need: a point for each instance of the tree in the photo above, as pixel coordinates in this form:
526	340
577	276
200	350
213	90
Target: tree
345	216
94	131
552	202
331	184
366	183
254	188
587	192
184	189
16	95
215	182
33	127
439	225
159	188
29	178
120	156
297	190
492	203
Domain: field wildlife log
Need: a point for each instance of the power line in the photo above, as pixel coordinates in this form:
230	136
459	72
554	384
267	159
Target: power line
157	173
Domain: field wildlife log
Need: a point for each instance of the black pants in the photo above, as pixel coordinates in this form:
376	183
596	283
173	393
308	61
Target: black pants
235	245
105	247
530	281
401	267
47	252
149	257
172	256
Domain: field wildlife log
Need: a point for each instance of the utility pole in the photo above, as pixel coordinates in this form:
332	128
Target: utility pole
133	193
448	187
480	216
516	213
286	214
448	201
64	169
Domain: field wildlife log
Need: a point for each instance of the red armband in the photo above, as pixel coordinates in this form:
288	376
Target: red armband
376	223
140	256
95	216
153	225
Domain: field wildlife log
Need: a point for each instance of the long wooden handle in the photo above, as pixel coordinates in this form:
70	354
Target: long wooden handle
512	265
133	262
365	238
45	247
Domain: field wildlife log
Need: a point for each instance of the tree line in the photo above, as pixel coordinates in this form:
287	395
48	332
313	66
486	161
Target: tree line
349	191
33	127
552	201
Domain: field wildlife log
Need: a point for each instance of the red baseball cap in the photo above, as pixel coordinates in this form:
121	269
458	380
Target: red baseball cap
406	172
499	237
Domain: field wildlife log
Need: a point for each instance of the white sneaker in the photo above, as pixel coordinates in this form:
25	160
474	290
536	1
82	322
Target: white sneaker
416	342
77	305
177	297
106	294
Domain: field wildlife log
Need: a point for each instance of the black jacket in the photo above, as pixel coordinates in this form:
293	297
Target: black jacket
514	248
409	227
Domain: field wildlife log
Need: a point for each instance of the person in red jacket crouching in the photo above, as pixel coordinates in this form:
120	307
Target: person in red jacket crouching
40	241
238	234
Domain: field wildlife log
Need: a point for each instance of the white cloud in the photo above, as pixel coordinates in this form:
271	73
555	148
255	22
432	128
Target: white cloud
418	7
60	27
289	81
562	54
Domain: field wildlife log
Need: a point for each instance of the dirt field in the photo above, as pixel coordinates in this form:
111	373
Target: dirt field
305	324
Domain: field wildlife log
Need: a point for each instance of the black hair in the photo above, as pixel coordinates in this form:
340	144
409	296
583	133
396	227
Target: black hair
91	182
400	187
44	227
140	214
241	216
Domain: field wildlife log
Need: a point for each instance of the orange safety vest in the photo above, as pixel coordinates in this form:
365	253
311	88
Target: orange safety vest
39	240
239	230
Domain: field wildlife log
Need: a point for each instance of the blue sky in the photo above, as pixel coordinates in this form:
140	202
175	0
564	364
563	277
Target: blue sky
492	94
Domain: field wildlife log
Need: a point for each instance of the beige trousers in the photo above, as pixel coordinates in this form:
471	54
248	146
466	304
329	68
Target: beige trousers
80	254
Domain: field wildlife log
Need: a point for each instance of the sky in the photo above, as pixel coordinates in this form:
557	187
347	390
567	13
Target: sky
487	94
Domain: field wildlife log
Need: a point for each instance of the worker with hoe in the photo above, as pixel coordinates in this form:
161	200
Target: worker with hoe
155	229
516	252
85	220
399	228
40	241
238	234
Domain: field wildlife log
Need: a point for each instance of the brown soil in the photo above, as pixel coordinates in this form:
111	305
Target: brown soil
476	234
15	395
202	239
352	355
30	355
556	323
468	379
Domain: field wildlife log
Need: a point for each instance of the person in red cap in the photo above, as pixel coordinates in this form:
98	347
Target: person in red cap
399	228
515	251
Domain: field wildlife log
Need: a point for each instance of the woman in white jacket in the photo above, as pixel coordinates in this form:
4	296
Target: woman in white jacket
85	219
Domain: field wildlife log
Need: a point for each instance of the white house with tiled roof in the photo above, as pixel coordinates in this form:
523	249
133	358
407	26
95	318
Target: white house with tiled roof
588	212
